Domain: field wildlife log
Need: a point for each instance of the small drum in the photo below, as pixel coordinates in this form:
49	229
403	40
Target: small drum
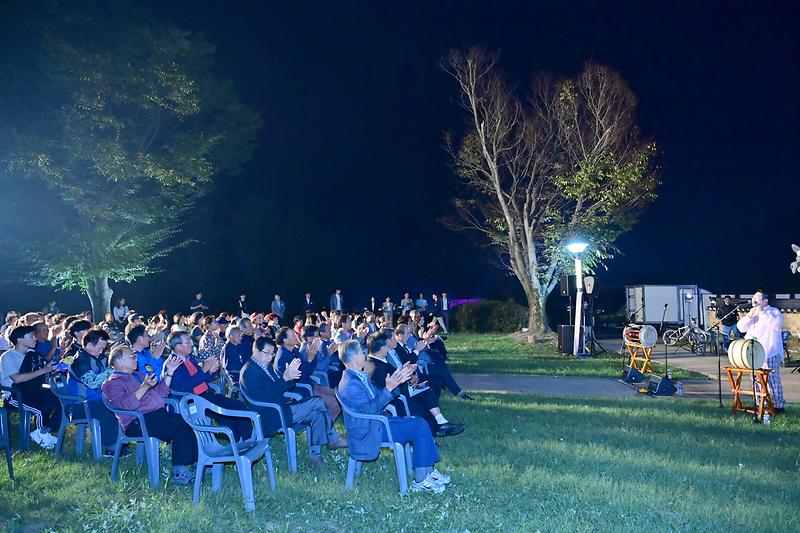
746	353
646	335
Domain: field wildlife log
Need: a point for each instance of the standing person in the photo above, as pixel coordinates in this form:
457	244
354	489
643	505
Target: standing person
421	303
446	311
436	311
729	318
121	311
372	306
337	304
198	304
388	311
765	323
406	304
243	306
308	303
50	308
278	306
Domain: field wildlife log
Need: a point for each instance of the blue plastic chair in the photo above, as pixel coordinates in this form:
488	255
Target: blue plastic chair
211	452
24	416
5	441
401	451
289	432
58	386
149	444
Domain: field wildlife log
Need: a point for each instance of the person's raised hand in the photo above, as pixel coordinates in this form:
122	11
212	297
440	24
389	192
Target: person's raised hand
313	347
292	371
157	349
421	345
149	381
172	363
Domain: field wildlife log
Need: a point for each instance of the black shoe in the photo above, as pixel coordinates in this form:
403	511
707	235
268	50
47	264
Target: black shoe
464	396
780	410
449	429
123	452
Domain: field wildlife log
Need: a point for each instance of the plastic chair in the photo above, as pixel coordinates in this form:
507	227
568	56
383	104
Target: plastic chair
5	441
25	415
321	378
401	451
58	386
210	452
150	444
289	432
228	384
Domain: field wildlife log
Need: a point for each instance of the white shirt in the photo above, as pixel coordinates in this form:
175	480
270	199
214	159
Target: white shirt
121	312
10	362
766	329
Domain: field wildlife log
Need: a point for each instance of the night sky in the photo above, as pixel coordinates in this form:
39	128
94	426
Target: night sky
351	176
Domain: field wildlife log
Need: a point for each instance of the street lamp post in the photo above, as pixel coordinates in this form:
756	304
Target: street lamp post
577	248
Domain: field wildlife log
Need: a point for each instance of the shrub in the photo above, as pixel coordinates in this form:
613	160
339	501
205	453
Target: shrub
490	316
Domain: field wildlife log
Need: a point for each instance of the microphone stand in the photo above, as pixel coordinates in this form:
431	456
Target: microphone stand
716	326
661	333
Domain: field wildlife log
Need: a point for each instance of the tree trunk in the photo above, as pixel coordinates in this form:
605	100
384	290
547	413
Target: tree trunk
99	294
534	316
544	320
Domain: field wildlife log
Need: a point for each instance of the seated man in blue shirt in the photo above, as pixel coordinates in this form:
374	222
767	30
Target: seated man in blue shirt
365	436
148	355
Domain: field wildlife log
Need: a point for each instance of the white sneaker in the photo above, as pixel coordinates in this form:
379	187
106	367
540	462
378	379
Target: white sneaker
37	437
48	441
427	485
442	479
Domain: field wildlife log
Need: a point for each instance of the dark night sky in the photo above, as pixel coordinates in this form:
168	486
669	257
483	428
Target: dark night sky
355	107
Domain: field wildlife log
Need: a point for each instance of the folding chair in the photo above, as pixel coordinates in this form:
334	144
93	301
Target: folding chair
211	452
5	441
58	386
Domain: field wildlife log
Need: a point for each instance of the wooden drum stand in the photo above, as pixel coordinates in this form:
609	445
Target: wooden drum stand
763	399
634	350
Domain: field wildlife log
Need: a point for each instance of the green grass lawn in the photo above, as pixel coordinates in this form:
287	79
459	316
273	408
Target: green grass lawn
497	353
523	464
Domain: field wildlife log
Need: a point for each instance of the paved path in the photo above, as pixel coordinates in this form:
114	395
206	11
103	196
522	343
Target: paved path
613	388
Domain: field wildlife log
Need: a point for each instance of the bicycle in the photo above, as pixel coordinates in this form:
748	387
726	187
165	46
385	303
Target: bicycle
694	336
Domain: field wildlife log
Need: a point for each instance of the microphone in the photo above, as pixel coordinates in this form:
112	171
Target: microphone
666	305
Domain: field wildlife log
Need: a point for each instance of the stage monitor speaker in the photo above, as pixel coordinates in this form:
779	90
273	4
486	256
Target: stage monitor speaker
566	336
661	386
633	375
567	284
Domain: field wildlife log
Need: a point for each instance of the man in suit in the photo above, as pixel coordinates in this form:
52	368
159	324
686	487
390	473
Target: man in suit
278	306
365	436
337	304
308	303
261	382
383	360
446	311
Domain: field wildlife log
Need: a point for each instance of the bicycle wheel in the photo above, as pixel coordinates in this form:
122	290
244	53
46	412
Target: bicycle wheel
670	337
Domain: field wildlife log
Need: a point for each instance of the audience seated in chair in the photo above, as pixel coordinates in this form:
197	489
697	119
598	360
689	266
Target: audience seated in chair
261	382
365	436
135	390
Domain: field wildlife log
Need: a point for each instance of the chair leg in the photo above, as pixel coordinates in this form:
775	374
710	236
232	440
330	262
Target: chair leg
140	454
217	473
95	437
245	468
400	464
153	461
115	460
9	462
409	462
352	464
291	449
60	439
24	429
198	481
270	468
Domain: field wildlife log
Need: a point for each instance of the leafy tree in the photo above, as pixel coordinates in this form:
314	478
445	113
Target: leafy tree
565	162
118	123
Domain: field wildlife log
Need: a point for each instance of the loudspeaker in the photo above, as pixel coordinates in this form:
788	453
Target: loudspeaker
661	386
633	375
566	285
566	337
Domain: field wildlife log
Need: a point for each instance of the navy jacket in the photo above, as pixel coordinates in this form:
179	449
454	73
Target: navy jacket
284	357
266	387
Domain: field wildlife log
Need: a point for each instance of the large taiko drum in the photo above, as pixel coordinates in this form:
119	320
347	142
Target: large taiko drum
746	353
645	335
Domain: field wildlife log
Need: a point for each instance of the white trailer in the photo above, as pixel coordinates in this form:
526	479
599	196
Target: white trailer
677	304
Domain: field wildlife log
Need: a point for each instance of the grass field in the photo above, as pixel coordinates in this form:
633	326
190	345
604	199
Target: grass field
497	353
523	464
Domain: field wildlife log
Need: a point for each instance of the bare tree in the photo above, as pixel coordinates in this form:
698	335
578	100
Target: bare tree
566	161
